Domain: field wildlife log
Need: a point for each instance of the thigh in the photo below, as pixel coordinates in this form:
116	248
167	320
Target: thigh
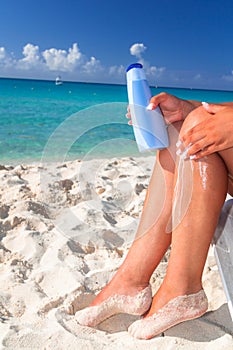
230	185
227	156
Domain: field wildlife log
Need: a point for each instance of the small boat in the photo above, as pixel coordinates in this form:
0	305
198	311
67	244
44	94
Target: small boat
58	81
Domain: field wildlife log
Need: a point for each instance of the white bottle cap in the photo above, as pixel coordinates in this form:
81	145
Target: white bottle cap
135	72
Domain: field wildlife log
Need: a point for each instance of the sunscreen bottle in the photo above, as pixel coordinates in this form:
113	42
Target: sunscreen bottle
149	126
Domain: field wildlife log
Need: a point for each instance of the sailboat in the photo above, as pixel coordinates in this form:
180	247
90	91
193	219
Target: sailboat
58	80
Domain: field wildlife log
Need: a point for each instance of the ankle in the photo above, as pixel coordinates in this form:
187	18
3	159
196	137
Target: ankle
131	280
182	287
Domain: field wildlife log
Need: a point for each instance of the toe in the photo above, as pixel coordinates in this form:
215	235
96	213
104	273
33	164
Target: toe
135	329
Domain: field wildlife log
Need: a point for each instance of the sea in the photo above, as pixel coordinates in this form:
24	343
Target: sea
42	121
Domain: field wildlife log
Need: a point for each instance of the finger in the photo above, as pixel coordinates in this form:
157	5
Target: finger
192	136
199	147
156	100
130	122
203	153
151	106
128	115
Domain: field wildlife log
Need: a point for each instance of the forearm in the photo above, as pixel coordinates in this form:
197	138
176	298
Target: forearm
189	105
230	104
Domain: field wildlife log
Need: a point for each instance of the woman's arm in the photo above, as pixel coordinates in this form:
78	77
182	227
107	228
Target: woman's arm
173	108
209	127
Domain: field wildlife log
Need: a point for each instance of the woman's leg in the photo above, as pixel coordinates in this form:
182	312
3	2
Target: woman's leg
227	156
180	296
191	238
151	240
129	290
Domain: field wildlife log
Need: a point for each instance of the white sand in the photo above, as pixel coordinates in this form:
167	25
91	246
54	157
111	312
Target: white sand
64	230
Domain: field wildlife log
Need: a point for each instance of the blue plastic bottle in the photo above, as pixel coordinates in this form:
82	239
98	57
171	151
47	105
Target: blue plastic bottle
149	126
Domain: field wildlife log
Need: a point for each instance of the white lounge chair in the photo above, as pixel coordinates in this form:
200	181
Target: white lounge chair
223	250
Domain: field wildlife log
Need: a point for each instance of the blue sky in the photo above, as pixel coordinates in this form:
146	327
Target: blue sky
181	43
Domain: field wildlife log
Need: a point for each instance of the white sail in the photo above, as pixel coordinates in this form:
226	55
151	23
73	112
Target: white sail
58	80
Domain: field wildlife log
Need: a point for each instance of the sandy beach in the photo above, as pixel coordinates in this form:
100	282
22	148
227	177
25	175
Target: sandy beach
64	231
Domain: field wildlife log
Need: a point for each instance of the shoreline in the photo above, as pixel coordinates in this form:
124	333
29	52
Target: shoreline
65	228
73	158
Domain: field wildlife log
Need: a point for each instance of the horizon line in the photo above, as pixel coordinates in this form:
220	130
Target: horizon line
117	84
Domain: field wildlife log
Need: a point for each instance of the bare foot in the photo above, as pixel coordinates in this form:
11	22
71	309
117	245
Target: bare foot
179	309
117	297
118	286
166	294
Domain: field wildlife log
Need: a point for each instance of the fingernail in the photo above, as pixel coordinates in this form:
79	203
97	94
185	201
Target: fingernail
205	104
184	154
193	157
150	106
178	143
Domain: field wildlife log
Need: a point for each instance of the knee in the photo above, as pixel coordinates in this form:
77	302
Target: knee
193	118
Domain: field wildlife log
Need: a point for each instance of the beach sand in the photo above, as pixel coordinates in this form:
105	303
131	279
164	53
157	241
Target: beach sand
64	231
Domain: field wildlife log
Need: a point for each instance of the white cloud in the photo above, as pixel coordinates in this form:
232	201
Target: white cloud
55	59
117	70
5	59
2	53
137	49
31	57
74	54
31	53
152	72
71	63
93	66
61	60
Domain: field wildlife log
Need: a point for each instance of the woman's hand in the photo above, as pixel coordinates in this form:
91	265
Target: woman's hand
207	130
173	108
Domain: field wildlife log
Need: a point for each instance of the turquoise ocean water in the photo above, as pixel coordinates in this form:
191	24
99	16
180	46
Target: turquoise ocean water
74	120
